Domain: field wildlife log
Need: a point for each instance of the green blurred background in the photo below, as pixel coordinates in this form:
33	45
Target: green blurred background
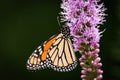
25	24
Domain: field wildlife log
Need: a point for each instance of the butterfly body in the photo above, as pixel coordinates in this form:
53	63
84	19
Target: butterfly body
56	53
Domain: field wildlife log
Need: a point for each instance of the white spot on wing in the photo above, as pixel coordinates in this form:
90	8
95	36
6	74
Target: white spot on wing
39	47
35	51
40	50
35	55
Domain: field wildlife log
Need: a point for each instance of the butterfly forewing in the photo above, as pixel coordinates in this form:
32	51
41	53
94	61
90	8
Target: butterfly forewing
39	58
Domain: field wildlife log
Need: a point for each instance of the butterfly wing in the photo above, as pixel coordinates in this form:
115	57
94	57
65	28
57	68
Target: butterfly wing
62	55
56	53
39	58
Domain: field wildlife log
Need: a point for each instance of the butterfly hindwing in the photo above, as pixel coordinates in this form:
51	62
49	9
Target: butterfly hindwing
62	55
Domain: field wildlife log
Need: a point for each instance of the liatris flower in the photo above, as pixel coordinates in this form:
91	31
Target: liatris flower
83	18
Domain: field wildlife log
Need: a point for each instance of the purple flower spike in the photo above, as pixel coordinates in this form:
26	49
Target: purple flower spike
84	18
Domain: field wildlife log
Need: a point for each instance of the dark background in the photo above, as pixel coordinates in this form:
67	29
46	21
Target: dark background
25	24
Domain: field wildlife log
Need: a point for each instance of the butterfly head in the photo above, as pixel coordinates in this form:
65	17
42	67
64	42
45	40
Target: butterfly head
65	31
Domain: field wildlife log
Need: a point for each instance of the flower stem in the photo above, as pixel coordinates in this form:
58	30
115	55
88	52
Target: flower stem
90	63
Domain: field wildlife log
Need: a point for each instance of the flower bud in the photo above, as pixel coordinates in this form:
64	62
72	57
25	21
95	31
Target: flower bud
83	71
83	76
99	77
82	64
99	64
89	69
97	59
99	71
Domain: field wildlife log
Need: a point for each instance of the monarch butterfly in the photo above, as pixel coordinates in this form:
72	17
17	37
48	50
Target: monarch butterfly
56	53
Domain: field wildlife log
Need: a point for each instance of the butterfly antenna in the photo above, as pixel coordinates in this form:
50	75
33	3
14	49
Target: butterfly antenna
60	25
58	19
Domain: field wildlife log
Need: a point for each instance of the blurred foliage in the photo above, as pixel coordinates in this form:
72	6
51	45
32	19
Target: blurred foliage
25	24
110	42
